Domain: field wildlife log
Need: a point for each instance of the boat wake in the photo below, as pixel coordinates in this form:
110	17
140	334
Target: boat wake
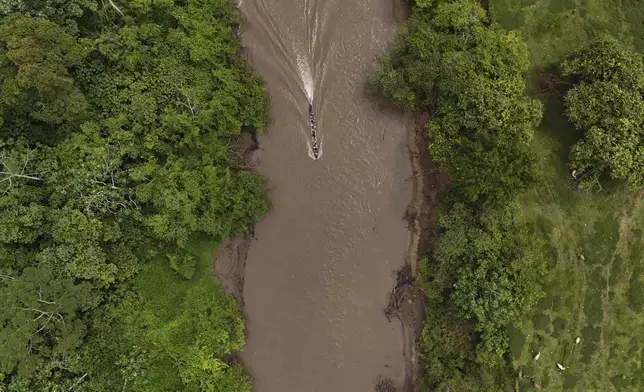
306	76
314	145
315	151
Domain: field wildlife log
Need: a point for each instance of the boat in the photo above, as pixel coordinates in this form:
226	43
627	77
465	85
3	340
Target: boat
314	134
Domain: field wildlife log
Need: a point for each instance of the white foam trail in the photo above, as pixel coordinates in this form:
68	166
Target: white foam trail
310	151
306	76
316	27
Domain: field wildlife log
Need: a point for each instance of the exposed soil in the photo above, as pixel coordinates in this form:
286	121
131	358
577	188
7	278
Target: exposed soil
230	261
245	148
400	10
230	255
406	301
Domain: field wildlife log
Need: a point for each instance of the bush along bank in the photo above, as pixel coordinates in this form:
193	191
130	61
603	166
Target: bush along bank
485	271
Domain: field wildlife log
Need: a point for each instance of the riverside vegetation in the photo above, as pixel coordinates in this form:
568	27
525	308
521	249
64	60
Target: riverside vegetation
536	112
116	181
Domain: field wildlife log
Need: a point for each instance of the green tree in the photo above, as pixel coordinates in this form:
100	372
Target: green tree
35	59
115	158
493	269
607	106
606	59
62	12
469	75
42	313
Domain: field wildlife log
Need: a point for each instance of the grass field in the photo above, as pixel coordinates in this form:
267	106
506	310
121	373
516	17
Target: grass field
595	289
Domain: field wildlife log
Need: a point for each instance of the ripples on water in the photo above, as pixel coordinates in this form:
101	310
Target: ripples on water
318	273
295	53
305	77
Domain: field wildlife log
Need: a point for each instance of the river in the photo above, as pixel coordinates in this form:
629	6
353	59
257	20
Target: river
321	264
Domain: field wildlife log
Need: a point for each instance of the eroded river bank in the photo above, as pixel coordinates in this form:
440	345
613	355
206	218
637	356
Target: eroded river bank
320	265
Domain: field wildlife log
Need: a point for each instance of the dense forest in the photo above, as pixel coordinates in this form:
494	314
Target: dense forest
535	112
118	119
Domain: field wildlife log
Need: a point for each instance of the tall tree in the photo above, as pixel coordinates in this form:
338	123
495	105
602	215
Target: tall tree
607	106
492	268
115	158
42	323
35	58
469	75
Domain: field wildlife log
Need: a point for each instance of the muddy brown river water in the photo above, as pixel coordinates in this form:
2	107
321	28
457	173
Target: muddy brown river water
321	264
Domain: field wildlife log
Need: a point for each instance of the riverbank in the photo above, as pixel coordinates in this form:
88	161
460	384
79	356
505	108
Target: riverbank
230	262
229	259
427	182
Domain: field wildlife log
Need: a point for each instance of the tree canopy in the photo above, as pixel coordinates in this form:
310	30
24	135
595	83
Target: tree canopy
469	75
117	124
606	104
492	269
485	271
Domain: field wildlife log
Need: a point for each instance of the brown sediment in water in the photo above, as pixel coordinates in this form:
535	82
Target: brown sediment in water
310	308
319	269
406	301
319	264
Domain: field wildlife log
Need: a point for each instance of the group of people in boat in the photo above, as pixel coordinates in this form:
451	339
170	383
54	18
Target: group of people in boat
314	135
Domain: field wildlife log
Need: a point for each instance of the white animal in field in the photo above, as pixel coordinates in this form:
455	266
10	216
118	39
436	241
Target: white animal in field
561	367
536	357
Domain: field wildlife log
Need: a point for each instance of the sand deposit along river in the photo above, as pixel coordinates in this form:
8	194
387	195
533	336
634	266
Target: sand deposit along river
321	264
